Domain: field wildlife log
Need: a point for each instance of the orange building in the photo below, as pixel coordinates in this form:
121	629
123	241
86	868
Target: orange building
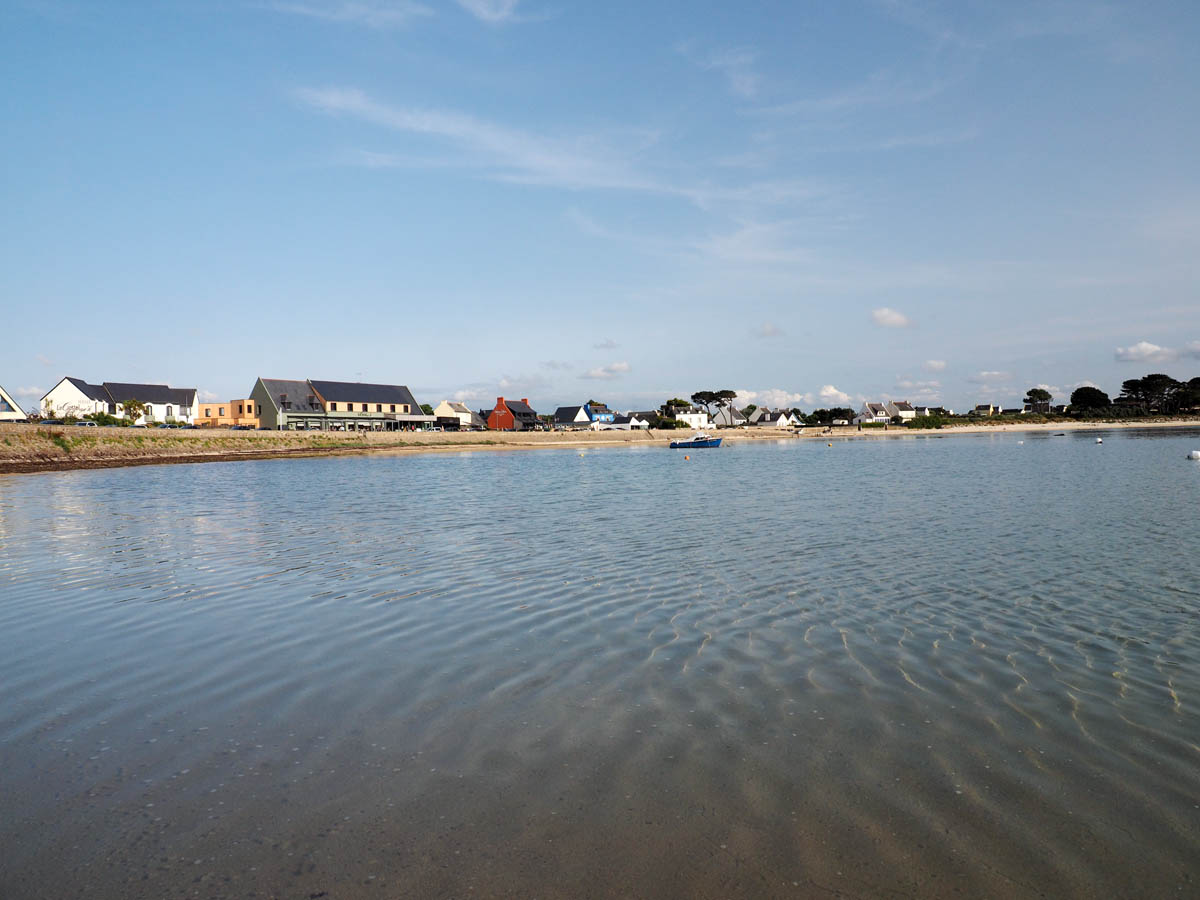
222	415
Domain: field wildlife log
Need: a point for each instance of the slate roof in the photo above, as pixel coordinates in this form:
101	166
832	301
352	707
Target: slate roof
565	415
296	392
902	405
91	391
357	392
121	391
877	409
622	420
519	409
458	407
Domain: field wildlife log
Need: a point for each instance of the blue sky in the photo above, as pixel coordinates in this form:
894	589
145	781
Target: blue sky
811	203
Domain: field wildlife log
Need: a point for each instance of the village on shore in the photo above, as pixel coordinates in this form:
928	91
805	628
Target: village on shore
339	406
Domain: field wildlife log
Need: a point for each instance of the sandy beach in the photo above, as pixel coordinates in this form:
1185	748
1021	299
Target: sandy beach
30	448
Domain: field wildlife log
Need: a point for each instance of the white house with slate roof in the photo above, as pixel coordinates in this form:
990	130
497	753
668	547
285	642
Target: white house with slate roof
872	413
901	409
10	410
776	419
76	397
466	418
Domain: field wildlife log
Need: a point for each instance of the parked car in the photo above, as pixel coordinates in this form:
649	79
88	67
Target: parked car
51	422
86	423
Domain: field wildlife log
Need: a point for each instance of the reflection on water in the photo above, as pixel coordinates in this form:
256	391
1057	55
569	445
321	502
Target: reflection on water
920	667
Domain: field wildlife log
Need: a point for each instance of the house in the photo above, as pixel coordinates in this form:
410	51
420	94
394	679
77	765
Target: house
243	412
776	419
10	410
573	417
75	397
337	406
985	409
647	417
729	417
873	414
513	415
690	416
467	420
900	409
598	412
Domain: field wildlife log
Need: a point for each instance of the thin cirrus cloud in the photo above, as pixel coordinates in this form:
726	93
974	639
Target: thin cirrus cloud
371	13
989	377
768	330
1146	352
606	344
886	317
519	157
934	365
607	373
494	12
736	64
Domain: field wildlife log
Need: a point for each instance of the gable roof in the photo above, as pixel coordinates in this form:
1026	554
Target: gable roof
566	414
121	391
358	392
903	405
296	393
6	397
91	391
517	408
458	407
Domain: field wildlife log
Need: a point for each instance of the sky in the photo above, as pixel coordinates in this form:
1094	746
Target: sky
810	203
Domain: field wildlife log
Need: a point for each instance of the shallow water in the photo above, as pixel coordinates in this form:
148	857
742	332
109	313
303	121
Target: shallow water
916	667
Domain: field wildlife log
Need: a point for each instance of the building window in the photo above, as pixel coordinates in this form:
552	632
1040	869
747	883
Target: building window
364	406
406	409
221	411
260	409
393	407
378	407
207	412
333	406
239	409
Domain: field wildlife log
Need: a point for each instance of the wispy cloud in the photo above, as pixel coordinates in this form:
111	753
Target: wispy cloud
767	330
44	360
206	396
934	365
885	317
371	13
1144	351
606	344
29	393
988	377
556	365
586	162
607	373
736	64
494	12
882	89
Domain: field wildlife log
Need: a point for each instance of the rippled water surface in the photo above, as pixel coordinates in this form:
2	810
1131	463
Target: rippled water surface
917	667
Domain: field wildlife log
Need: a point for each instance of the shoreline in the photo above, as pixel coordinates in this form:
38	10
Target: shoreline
29	449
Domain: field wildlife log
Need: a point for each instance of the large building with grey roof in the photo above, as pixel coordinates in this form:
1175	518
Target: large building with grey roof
313	405
162	403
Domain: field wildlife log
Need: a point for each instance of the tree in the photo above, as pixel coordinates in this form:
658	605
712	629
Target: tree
1088	397
705	399
1039	399
133	409
427	409
749	410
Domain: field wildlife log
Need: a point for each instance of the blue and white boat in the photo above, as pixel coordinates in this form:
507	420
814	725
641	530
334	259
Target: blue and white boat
696	441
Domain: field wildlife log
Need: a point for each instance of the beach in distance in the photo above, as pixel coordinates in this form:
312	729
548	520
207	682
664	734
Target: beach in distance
31	448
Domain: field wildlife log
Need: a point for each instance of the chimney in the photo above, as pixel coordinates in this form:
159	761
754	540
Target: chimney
525	400
499	402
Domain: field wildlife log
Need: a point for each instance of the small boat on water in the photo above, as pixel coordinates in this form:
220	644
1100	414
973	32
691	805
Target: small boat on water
696	441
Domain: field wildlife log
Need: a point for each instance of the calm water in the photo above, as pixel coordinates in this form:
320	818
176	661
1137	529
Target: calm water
917	667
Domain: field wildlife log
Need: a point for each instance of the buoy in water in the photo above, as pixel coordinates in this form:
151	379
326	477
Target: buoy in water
1099	440
829	445
1020	442
687	457
1195	454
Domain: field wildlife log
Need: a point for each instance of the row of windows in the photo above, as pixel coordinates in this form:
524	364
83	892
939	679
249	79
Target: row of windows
221	410
366	407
